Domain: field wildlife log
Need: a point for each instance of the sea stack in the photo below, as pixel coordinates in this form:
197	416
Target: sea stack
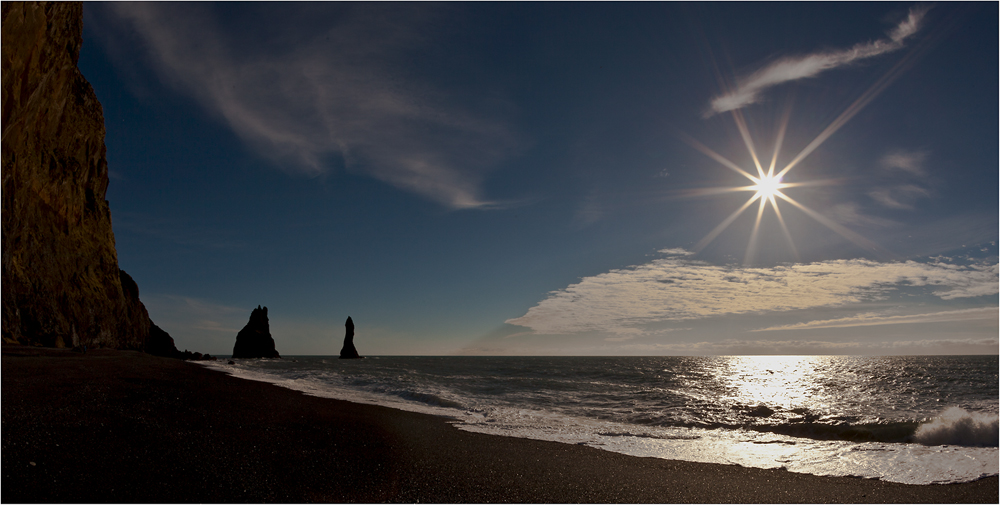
254	340
348	351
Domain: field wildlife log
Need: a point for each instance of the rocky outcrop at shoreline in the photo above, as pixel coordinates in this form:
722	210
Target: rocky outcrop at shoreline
349	351
254	340
160	343
62	286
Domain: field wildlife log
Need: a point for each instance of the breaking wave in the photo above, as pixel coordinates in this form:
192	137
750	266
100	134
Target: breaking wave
956	426
892	432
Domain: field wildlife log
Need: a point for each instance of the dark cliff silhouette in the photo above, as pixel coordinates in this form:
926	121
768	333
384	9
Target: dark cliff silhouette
348	351
254	340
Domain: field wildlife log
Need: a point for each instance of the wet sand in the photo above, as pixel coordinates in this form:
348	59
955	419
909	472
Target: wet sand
119	426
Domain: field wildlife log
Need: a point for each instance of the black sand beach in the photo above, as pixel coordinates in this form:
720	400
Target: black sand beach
118	426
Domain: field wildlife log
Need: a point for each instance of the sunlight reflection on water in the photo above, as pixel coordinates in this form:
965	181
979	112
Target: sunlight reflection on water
786	382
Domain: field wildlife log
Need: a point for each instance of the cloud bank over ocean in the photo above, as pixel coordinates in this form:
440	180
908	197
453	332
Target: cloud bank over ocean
676	288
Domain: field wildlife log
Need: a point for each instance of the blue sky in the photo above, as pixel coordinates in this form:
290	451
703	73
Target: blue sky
556	178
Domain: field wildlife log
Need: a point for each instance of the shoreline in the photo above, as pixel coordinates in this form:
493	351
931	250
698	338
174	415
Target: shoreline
123	426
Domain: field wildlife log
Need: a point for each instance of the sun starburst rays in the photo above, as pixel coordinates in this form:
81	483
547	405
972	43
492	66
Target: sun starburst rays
767	185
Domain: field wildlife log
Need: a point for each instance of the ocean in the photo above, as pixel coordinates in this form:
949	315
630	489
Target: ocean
908	419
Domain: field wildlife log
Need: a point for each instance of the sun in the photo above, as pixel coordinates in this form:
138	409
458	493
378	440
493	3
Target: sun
768	185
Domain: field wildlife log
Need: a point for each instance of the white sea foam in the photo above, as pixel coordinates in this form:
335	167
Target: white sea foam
317	385
893	462
957	446
955	426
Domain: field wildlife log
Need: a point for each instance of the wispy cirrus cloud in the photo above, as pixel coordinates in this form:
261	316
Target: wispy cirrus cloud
340	95
812	347
735	346
849	213
907	161
872	319
749	88
899	197
676	288
626	334
902	194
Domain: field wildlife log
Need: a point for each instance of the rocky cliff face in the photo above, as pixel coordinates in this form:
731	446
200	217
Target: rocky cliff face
61	281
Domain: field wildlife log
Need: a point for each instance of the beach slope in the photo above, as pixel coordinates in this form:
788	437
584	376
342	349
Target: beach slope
122	426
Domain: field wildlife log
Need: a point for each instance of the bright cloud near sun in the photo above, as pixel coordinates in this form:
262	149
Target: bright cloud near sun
749	88
676	288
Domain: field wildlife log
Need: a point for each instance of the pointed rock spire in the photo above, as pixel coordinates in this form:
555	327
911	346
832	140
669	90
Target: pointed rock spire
348	351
